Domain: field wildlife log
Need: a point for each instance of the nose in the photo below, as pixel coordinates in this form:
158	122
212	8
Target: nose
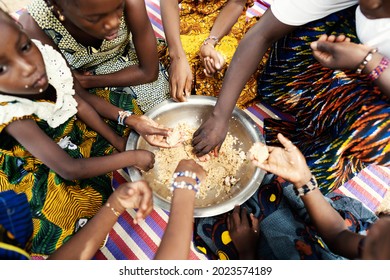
27	67
112	22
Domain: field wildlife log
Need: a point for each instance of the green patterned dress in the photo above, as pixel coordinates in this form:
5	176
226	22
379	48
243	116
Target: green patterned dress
112	56
59	207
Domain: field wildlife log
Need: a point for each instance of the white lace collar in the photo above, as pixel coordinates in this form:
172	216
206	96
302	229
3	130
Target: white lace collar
60	77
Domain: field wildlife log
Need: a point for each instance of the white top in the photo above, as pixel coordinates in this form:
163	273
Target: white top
300	12
60	77
374	32
371	32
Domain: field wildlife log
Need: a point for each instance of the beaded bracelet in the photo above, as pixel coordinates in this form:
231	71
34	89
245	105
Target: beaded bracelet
308	187
113	210
184	185
214	38
122	116
366	60
382	66
188	174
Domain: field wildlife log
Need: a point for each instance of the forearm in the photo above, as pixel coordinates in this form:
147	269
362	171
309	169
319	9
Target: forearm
244	63
88	240
171	23
179	229
383	80
129	76
84	168
227	18
93	120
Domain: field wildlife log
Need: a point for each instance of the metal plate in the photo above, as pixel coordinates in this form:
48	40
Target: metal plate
193	112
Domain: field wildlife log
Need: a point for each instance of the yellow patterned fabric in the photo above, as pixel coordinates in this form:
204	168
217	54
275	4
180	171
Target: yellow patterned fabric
196	21
59	207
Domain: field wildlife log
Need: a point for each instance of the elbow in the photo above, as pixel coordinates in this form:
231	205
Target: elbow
71	171
152	75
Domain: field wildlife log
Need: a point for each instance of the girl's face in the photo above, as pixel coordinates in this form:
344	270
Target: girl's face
374	9
22	70
98	18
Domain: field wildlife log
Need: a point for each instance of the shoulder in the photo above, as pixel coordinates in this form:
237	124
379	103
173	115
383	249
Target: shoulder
300	12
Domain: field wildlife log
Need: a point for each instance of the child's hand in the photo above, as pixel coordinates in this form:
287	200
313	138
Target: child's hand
213	60
288	163
133	195
144	160
83	78
180	79
337	52
244	233
192	166
152	132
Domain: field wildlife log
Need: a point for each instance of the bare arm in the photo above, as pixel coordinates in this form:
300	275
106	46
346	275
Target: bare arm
91	118
29	135
212	59
84	244
179	229
144	40
180	75
338	52
247	57
290	164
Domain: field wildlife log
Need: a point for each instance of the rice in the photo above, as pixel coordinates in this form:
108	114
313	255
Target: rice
221	171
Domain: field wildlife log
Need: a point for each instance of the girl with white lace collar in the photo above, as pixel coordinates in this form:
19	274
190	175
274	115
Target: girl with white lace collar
47	149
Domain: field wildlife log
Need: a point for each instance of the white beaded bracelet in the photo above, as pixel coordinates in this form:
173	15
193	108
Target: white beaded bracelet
184	185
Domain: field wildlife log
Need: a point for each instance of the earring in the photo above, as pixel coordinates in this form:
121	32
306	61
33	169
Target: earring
40	90
61	17
26	86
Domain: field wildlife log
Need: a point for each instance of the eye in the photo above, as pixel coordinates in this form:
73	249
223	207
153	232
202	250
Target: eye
26	47
3	69
93	20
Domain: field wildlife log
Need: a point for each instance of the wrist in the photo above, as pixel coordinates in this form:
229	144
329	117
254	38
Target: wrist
114	206
310	185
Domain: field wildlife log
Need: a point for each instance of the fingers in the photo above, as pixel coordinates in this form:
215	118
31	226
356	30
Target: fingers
244	217
287	144
236	215
255	223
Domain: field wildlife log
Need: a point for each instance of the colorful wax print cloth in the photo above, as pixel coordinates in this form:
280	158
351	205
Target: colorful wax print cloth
112	56
196	20
342	120
59	207
285	229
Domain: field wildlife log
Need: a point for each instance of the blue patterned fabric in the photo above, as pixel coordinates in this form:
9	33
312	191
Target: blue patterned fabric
16	226
285	228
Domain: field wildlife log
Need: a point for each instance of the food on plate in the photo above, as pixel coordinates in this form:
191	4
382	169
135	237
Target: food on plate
221	170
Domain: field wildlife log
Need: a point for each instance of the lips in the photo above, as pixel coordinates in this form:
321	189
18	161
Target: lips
41	82
111	36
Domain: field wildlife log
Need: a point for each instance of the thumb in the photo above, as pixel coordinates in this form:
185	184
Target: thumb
324	46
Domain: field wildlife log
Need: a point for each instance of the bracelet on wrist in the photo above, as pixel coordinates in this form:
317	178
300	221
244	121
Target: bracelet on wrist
366	59
122	116
308	187
185	185
213	38
382	66
116	213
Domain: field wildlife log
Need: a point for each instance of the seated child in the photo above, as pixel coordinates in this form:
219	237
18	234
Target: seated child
47	148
